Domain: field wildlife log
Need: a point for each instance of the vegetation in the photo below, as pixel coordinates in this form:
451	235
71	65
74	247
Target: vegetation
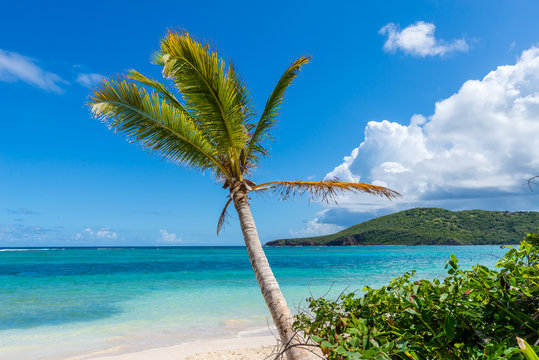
430	226
475	314
211	125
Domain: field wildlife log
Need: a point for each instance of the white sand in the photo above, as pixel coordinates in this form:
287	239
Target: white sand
239	348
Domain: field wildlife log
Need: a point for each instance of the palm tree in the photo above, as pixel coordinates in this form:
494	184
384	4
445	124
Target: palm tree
211	126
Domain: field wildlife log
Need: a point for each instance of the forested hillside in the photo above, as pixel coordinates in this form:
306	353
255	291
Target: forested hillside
430	226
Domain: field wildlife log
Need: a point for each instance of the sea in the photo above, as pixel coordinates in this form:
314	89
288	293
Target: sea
80	303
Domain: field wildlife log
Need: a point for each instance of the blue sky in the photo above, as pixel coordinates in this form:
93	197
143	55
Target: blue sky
438	100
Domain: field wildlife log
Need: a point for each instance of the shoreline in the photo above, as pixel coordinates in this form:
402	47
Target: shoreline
374	245
98	304
133	247
227	348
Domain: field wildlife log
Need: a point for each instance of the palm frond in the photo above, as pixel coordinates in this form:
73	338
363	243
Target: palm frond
326	191
159	87
256	148
223	216
153	123
209	88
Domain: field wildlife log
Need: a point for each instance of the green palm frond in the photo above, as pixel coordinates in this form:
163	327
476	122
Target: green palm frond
326	191
210	89
527	350
161	89
256	148
244	99
154	123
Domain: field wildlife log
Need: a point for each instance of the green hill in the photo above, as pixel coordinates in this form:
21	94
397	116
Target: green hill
430	226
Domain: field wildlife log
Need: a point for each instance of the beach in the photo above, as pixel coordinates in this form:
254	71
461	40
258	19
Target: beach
174	303
252	348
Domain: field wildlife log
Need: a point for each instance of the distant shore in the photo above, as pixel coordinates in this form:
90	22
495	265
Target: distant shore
374	245
429	226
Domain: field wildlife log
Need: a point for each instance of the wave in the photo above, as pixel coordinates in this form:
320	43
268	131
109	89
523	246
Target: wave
266	330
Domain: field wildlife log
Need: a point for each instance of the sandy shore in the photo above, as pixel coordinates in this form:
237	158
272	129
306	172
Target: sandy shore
238	348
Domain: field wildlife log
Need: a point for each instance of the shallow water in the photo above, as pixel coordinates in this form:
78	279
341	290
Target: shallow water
58	303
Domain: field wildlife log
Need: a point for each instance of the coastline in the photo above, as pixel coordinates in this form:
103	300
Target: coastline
92	304
389	246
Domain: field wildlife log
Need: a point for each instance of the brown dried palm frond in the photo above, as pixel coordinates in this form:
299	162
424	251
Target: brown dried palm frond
223	217
326	190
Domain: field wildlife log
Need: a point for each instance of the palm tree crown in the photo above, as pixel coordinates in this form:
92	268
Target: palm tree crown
212	124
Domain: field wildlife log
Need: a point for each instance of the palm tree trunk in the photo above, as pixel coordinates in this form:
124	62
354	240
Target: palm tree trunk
282	318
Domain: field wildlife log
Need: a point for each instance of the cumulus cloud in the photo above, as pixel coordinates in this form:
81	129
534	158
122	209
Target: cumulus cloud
476	151
316	228
15	67
419	40
88	79
106	233
102	233
168	237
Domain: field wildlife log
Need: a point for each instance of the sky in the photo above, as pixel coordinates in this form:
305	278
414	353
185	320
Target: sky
437	100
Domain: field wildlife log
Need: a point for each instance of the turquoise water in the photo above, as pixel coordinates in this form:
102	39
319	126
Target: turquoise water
57	303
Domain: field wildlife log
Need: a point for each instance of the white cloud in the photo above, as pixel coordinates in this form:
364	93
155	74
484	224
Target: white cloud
106	233
15	67
317	228
479	147
100	233
88	79
418	40
88	232
342	172
168	237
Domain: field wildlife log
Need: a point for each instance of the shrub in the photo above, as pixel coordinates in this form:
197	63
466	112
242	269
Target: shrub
471	314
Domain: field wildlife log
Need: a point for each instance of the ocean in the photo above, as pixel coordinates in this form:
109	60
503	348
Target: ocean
57	303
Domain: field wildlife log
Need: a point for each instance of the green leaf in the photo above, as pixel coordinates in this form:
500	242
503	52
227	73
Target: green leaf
327	344
412	355
210	89
256	147
527	349
370	353
156	124
374	342
412	311
450	324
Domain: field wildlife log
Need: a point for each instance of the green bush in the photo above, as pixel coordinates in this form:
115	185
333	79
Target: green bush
471	314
